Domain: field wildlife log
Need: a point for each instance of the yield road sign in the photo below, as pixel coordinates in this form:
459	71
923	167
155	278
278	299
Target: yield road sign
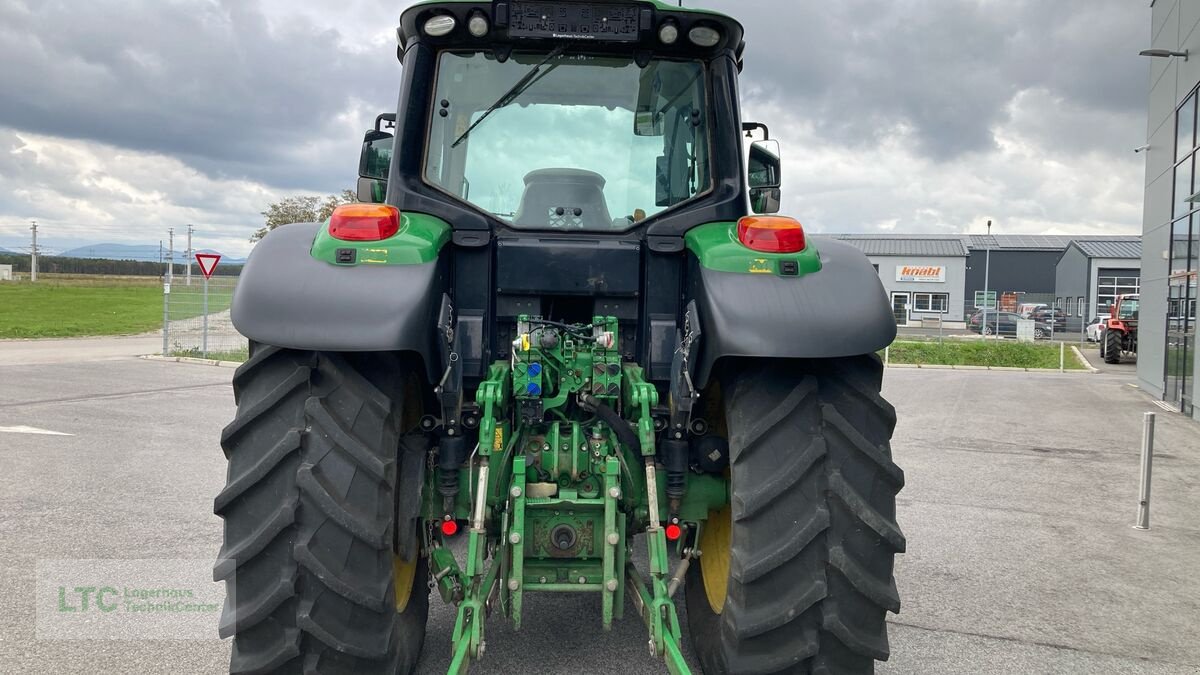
208	263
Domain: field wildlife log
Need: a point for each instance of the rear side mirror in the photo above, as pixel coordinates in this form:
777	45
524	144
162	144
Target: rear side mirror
373	166
765	176
765	200
765	166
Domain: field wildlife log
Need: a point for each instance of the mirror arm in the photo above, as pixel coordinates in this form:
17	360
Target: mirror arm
390	118
749	128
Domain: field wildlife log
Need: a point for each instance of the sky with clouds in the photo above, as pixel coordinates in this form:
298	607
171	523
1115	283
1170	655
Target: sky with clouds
121	118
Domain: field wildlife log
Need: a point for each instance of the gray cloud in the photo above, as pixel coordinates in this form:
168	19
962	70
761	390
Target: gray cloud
921	115
861	69
210	82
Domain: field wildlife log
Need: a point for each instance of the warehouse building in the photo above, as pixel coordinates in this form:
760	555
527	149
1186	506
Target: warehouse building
1020	263
924	276
1018	269
1167	366
1091	275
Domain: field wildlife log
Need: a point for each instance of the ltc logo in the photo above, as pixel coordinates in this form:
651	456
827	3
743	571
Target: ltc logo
85	598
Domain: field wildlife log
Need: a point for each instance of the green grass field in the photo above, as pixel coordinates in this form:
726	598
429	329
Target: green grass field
991	353
75	306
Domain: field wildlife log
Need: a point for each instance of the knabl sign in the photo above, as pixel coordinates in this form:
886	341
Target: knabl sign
921	273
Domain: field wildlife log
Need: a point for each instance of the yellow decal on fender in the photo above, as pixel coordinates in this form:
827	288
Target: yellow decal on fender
498	443
761	266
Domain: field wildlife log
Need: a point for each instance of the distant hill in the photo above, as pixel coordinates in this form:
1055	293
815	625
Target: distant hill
140	252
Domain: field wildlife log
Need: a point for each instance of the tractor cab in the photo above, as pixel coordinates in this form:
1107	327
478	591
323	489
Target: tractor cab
576	117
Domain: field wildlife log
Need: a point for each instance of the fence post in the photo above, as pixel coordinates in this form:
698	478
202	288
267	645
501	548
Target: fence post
1062	354
166	317
1143	517
887	354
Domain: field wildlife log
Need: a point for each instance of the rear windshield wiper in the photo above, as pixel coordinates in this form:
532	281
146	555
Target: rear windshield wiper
515	92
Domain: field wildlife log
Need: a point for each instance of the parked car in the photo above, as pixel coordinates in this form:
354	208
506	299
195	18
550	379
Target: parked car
1050	316
1027	308
1094	330
1006	322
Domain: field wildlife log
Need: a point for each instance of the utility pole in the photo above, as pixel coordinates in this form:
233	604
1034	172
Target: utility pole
190	254
170	254
33	253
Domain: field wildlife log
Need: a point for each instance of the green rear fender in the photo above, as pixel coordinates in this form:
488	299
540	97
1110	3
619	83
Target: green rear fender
823	302
293	294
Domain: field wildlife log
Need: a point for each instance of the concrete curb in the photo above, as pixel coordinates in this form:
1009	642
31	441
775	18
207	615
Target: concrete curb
1083	360
188	359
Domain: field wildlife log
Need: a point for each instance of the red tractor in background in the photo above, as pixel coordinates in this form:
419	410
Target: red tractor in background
1120	330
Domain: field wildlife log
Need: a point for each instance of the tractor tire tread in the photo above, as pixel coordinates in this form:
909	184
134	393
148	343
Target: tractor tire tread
1112	346
815	535
309	510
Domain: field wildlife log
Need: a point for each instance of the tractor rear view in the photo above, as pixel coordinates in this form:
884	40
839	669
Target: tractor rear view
564	345
1120	330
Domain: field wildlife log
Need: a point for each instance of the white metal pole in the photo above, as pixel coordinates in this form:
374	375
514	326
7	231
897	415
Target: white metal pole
170	254
188	255
166	317
987	271
33	254
204	334
1143	517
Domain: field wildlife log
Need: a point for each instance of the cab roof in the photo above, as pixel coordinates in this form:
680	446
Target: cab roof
660	11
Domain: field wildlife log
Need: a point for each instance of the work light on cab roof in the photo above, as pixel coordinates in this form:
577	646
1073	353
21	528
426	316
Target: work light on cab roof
653	22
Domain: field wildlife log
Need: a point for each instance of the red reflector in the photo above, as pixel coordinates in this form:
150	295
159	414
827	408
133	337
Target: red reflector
771	234
449	527
364	222
674	532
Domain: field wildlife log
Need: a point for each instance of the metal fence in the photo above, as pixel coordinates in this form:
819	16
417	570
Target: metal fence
196	319
931	314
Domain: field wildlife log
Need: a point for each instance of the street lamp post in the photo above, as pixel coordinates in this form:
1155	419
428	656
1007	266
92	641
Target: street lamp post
987	272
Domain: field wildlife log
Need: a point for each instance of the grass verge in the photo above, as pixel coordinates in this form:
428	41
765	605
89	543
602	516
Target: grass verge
237	356
76	308
987	353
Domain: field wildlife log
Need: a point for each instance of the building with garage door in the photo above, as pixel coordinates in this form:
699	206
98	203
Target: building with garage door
1167	366
1021	264
924	276
1090	276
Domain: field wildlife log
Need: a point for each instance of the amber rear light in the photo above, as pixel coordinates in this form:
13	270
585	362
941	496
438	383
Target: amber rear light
771	234
364	222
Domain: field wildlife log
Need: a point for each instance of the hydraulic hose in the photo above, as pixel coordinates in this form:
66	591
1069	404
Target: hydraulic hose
624	432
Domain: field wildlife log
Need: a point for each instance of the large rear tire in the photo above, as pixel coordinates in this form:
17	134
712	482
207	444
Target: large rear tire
309	512
806	573
1112	346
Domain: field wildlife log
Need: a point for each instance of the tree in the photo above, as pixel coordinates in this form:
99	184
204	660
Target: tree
302	209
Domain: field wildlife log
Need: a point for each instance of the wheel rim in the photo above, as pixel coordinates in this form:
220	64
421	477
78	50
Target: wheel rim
403	573
716	539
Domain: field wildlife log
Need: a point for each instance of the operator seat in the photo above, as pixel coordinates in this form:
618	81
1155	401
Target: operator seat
563	199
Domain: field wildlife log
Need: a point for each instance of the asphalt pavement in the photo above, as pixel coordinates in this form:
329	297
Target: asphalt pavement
1021	494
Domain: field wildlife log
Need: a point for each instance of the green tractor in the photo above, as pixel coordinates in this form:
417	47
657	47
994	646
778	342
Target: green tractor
562	318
